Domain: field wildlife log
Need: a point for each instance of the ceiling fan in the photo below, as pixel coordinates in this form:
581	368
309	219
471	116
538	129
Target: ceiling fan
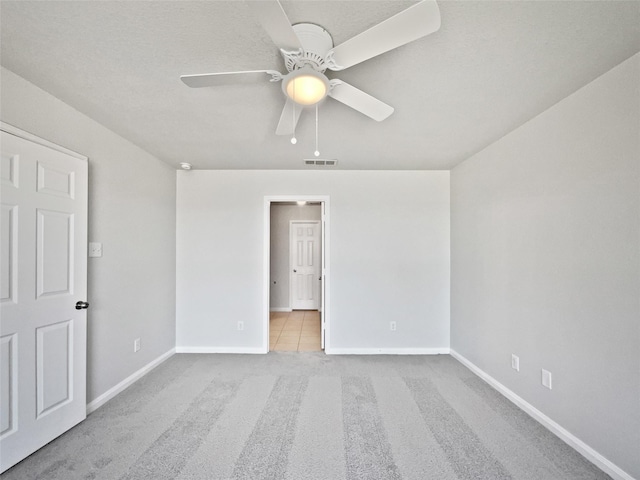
308	52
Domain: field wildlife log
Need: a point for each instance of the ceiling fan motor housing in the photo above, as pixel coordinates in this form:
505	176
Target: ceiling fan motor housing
316	43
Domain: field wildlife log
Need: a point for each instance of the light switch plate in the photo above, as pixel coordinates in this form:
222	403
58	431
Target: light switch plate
546	378
515	362
95	249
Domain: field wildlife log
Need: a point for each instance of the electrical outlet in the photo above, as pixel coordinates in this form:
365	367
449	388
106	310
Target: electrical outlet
515	362
546	378
136	345
240	325
392	326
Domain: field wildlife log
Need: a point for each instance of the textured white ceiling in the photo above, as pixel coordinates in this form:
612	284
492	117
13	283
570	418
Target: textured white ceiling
492	66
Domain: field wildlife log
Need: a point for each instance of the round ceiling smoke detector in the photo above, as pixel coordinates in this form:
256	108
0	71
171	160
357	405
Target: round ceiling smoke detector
185	166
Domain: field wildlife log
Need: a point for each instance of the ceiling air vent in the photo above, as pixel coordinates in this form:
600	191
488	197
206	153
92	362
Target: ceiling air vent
320	163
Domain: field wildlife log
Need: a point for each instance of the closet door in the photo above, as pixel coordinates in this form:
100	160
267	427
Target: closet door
305	254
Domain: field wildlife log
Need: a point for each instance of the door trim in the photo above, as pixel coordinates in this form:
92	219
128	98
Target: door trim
325	303
10	129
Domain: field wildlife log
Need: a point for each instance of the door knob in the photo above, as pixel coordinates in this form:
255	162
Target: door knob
295	271
82	305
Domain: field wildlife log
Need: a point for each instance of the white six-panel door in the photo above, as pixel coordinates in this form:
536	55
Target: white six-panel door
306	271
43	271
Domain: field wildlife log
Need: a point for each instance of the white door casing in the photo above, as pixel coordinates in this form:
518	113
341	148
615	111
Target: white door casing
43	271
305	258
323	282
325	306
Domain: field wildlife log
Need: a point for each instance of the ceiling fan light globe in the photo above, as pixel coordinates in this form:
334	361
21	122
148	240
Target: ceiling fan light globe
305	87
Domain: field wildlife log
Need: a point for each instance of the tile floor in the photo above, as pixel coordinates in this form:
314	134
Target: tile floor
297	331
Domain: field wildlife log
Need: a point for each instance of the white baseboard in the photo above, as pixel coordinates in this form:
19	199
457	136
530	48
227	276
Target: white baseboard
585	450
280	309
112	392
386	351
220	350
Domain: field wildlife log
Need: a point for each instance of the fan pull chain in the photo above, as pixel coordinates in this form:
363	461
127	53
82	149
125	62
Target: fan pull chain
294	140
317	152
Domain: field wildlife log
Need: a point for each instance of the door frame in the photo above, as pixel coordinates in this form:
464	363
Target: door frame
291	223
8	128
325	302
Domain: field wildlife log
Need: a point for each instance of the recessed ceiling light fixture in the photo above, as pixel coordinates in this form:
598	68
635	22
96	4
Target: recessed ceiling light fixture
185	166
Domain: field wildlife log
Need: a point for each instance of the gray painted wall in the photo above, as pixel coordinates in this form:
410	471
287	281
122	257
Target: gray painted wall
132	199
389	248
281	215
546	262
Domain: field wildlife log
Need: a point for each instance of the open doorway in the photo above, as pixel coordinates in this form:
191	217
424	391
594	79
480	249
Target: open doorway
296	273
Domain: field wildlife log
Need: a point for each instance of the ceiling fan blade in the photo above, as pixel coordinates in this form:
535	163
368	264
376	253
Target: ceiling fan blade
287	123
276	23
411	24
360	101
225	78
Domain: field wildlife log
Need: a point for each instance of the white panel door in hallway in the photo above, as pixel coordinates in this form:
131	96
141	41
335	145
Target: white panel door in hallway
305	250
43	284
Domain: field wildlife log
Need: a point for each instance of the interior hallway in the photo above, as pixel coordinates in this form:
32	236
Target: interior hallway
296	331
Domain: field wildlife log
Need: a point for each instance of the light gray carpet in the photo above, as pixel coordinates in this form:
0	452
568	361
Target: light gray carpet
299	416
